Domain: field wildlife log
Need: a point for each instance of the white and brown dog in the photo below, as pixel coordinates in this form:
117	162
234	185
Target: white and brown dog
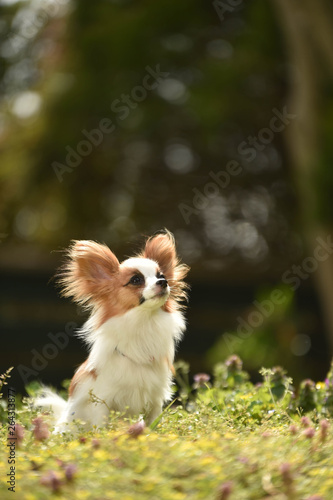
134	325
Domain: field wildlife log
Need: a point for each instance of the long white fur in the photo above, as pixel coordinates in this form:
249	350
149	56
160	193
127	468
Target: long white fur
131	355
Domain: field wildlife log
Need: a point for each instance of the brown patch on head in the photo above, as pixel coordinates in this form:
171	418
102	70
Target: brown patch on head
81	373
125	297
162	249
128	294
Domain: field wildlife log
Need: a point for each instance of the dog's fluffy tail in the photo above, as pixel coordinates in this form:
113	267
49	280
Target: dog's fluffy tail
50	400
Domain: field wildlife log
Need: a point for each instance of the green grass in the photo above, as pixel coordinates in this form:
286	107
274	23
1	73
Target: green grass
225	439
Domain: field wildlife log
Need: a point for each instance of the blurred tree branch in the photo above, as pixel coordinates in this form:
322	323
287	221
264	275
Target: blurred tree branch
321	20
308	31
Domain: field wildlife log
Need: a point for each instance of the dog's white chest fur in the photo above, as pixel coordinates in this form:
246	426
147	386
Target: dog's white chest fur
128	368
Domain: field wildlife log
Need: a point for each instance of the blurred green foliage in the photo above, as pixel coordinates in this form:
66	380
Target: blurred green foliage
64	71
224	79
266	343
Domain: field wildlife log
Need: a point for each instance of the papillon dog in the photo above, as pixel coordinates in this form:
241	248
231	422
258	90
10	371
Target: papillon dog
135	323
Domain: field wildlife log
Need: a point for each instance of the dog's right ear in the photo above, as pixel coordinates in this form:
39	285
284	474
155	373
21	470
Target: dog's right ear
88	273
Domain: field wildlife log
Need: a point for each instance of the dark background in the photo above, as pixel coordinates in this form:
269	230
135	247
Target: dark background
66	66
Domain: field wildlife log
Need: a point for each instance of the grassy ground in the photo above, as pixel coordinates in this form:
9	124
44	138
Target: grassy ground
225	439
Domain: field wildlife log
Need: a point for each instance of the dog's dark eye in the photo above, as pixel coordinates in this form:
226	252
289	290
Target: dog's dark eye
160	275
136	280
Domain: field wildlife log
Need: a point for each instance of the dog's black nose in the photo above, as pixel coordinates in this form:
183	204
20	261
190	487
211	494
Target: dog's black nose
162	282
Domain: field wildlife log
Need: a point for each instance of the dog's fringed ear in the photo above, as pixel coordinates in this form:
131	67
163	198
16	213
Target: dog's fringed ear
88	272
162	249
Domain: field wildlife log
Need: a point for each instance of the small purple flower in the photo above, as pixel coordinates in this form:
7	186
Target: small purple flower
17	434
135	430
324	426
52	480
95	443
287	477
225	490
201	379
309	432
40	429
308	384
234	363
70	471
293	429
305	422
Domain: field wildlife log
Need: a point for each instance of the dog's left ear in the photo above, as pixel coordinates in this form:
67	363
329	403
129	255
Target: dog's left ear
162	248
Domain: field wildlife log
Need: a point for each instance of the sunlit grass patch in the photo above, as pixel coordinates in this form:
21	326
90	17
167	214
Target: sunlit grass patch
225	439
